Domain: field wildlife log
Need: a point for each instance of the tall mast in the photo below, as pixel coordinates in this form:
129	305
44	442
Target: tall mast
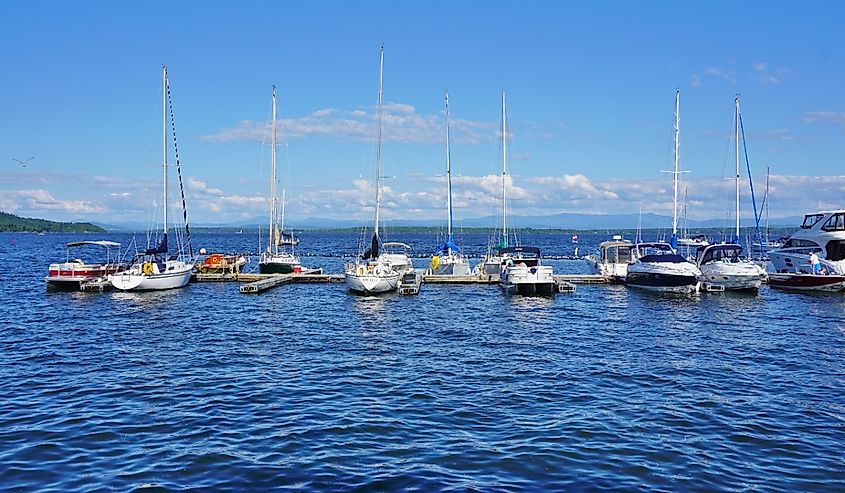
768	169
504	170
448	176
164	136
378	145
677	156
736	118
271	240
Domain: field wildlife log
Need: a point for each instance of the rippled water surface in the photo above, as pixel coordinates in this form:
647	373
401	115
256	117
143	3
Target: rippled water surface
306	387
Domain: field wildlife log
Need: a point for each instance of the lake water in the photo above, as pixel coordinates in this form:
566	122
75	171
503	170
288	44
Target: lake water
306	387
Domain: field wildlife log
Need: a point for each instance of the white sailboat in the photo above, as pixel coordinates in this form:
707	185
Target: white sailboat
723	266
448	259
154	269
372	273
491	264
658	267
275	260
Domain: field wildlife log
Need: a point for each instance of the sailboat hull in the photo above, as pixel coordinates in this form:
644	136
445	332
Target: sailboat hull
276	268
176	275
372	284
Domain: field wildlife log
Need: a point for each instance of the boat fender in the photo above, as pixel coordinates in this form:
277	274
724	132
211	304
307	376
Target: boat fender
360	271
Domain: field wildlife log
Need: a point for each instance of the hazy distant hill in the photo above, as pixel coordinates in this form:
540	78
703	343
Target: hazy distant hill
13	223
565	220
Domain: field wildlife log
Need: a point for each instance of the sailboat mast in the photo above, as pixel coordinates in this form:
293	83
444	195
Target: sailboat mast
677	156
448	176
271	236
736	182
504	170
164	137
768	169
378	144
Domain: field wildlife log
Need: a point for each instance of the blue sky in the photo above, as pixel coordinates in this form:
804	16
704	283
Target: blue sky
590	98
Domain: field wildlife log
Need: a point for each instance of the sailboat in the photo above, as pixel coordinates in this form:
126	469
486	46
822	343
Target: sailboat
658	267
686	240
448	258
154	269
491	264
372	273
275	260
723	266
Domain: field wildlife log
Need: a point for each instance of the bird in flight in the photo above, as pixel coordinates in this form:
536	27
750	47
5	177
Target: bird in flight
23	163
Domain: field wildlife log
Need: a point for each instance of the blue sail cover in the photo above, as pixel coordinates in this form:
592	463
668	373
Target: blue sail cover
447	246
161	248
674	241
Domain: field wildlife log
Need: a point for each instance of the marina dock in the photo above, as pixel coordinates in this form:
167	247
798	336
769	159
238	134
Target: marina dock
256	283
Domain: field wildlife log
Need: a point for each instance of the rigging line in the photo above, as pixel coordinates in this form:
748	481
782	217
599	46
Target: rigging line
179	171
751	184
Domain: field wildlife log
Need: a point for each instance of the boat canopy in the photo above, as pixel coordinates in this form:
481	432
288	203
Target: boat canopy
104	243
396	244
658	252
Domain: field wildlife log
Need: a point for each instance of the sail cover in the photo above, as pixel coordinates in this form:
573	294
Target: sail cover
161	248
374	247
447	246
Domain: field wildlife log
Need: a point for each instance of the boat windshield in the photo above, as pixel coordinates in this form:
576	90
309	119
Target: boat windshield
724	253
836	222
644	249
810	220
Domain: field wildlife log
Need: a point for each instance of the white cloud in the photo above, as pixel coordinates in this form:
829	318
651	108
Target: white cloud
402	123
824	117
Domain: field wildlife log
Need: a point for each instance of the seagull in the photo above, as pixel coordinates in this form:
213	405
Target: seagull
23	163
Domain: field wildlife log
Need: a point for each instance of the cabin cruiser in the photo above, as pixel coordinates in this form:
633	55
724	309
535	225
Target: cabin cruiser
72	273
612	259
659	268
523	273
723	267
822	233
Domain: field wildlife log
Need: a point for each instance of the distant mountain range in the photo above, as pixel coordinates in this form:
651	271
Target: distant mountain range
565	220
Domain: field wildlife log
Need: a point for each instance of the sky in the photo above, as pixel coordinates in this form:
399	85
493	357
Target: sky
590	100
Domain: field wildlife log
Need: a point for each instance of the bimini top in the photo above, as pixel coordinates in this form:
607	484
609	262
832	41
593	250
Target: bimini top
104	243
521	249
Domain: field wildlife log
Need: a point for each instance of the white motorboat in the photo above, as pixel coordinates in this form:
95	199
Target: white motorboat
72	273
396	254
275	260
372	273
659	268
523	272
723	267
156	268
448	259
612	259
822	233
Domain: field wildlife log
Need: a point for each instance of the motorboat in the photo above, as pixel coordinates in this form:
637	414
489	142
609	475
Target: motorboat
724	267
658	267
807	282
72	273
373	272
396	254
822	233
523	272
612	259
